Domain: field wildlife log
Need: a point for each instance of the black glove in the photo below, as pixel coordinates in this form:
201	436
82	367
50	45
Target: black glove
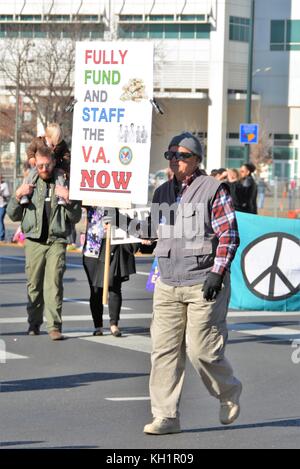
212	286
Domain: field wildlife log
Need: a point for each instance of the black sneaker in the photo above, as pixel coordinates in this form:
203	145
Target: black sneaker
33	330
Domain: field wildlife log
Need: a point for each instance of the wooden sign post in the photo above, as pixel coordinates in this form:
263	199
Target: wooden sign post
106	265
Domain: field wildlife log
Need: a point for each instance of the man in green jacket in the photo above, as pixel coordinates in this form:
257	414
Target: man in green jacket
46	224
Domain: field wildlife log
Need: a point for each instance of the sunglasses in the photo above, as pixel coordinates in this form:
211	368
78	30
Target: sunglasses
178	155
46	166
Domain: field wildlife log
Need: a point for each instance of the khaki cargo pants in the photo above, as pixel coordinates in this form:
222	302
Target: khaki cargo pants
45	267
184	322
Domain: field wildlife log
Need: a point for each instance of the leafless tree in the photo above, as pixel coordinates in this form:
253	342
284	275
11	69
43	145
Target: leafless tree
261	153
42	72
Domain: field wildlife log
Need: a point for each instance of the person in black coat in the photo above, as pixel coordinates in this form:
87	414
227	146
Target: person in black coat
245	190
122	265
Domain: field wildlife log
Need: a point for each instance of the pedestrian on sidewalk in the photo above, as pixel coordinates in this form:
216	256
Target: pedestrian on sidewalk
246	190
46	225
122	265
196	245
4	196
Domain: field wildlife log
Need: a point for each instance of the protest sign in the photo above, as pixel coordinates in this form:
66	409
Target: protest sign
112	123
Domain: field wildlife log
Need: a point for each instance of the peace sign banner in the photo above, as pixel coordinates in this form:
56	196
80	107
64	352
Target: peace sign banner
112	123
265	274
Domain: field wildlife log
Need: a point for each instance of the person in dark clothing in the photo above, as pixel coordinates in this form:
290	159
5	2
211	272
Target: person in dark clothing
122	265
247	190
244	191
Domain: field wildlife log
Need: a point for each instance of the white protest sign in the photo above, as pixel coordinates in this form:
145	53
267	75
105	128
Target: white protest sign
112	123
121	236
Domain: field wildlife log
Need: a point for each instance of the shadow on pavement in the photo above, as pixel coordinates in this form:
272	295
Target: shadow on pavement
275	423
62	382
16	443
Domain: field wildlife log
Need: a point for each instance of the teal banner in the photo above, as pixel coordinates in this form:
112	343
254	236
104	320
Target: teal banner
265	274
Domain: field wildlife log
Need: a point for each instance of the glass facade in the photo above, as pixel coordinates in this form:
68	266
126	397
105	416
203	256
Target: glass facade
285	35
285	153
235	156
164	31
239	29
46	30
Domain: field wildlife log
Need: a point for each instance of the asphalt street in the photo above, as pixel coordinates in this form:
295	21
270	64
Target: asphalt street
92	392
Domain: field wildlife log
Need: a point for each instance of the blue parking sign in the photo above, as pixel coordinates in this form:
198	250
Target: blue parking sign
249	133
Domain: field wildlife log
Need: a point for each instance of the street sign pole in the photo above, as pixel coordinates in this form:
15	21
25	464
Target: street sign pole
249	77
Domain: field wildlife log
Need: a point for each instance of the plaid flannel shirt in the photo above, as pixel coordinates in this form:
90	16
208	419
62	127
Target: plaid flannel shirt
224	224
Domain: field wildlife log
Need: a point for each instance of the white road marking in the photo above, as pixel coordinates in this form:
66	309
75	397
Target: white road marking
74	300
137	343
259	314
12	258
73	266
71	318
10	356
262	330
116	399
13	321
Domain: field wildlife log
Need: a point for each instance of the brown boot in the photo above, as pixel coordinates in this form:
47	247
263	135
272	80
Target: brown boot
56	335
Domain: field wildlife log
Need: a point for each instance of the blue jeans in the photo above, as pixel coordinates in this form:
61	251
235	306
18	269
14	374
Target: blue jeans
2	227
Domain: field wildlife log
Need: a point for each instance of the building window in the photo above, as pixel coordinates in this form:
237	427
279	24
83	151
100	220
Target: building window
30	18
156	31
278	34
59	18
287	137
6	17
160	18
126	31
187	31
285	153
164	31
285	35
239	29
91	18
235	156
131	18
171	31
191	17
26	30
202	31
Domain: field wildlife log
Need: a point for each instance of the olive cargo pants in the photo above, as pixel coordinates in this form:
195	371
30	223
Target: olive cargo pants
45	267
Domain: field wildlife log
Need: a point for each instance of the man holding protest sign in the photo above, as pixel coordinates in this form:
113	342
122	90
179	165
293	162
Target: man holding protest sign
194	219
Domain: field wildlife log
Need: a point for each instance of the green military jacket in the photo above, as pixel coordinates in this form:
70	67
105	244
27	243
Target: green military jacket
31	216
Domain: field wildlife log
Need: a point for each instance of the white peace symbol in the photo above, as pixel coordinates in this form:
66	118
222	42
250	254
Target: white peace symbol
271	266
